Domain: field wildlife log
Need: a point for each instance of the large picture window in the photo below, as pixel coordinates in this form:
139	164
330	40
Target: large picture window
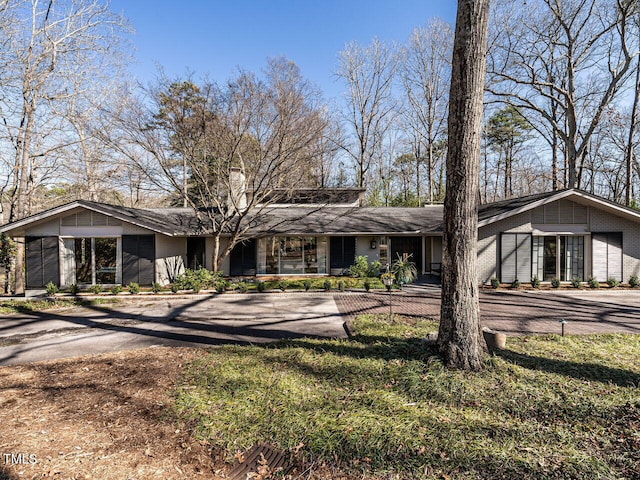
87	261
292	255
558	256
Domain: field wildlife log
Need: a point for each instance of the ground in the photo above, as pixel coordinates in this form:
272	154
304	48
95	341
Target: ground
99	417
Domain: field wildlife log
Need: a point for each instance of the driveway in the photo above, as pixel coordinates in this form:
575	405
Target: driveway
191	321
517	312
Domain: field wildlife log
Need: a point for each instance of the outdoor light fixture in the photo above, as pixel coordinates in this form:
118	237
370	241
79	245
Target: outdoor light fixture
563	322
374	244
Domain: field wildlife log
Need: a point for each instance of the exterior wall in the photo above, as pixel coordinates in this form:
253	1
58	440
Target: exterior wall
171	253
47	229
363	248
488	253
600	221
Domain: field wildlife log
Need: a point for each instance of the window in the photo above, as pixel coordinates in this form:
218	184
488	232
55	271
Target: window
87	261
384	252
292	255
558	256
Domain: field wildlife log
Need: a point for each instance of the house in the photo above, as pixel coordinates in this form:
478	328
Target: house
562	234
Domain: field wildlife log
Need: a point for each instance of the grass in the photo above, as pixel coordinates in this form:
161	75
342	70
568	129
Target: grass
382	402
30	306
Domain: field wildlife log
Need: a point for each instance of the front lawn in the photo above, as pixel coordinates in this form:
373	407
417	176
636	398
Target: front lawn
382	403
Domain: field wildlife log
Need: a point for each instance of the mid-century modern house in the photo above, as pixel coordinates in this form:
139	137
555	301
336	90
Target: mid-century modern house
562	234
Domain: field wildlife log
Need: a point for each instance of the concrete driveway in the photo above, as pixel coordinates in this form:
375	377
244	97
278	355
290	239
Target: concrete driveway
189	321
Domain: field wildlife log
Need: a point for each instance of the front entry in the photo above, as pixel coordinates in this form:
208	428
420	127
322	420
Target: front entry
407	247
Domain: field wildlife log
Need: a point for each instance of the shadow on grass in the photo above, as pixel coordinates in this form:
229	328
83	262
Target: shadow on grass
5	473
592	372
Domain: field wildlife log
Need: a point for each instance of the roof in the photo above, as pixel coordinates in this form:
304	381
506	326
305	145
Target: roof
315	196
492	212
321	220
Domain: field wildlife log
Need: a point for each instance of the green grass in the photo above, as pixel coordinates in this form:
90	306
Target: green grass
30	306
548	407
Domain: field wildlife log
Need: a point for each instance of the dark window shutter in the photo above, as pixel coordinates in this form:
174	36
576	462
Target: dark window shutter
42	262
195	252
138	258
342	252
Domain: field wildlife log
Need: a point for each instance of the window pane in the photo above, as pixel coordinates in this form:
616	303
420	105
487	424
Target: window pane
291	256
83	260
268	254
105	260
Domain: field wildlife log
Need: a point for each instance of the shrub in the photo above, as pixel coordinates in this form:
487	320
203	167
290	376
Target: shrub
341	285
576	282
134	288
360	267
535	281
116	289
374	269
327	285
52	289
612	282
634	281
220	286
198	279
73	289
282	285
175	287
307	285
243	287
96	289
367	285
555	282
593	283
495	283
515	283
156	287
261	287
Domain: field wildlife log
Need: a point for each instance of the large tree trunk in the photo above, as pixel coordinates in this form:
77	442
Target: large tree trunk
459	337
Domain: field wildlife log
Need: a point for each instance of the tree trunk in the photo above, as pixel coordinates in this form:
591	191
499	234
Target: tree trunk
632	127
459	337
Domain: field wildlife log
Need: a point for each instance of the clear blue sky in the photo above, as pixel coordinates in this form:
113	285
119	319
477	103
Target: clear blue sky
214	37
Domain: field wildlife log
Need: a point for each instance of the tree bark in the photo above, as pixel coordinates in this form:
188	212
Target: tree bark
459	337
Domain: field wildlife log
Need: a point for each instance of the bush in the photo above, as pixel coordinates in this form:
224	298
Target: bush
220	286
576	282
116	289
156	287
612	282
175	287
73	289
634	281
134	288
535	281
307	285
367	285
374	269
495	283
52	289
243	287
261	287
198	279
282	285
360	267
96	289
593	283
341	285
327	285
515	283
555	282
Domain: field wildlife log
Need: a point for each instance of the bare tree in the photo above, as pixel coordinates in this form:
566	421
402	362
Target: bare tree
459	335
425	76
368	73
243	145
562	62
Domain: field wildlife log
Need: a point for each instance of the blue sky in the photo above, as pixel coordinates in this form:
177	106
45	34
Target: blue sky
214	37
